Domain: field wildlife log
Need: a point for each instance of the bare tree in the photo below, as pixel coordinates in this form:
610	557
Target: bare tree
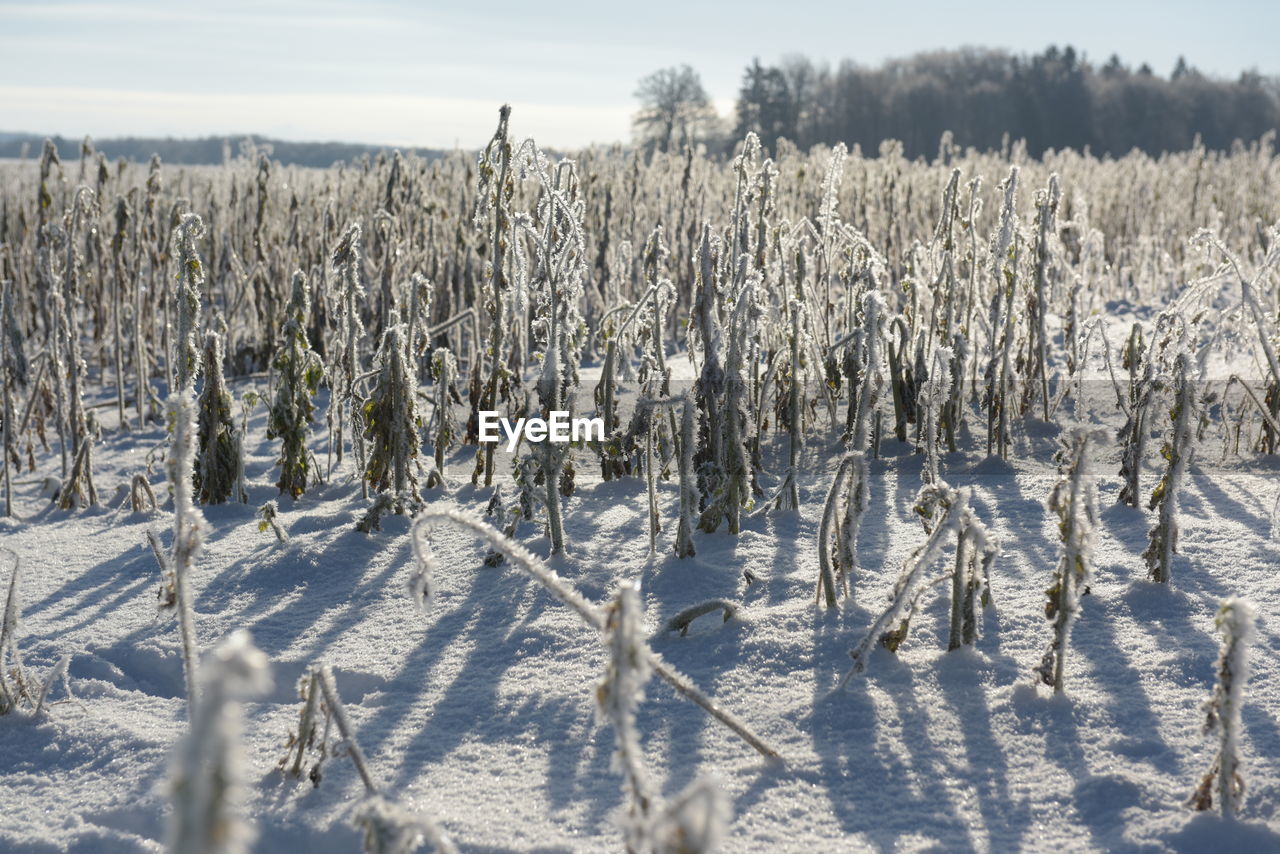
674	109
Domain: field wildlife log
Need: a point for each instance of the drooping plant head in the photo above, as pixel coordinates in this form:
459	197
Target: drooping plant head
346	257
299	305
491	163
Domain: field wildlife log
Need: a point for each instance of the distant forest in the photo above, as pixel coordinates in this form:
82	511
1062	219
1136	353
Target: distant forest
210	149
1054	99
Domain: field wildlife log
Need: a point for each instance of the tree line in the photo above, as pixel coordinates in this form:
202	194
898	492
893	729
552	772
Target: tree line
202	150
1055	99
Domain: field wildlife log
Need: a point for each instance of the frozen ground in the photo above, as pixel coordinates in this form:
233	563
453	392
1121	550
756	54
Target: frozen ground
481	711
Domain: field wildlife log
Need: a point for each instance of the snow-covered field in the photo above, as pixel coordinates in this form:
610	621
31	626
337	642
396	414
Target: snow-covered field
998	306
480	712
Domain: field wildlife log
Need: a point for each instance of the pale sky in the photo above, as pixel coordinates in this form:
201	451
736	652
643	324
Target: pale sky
432	74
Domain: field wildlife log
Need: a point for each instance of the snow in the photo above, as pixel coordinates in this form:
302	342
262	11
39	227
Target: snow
480	711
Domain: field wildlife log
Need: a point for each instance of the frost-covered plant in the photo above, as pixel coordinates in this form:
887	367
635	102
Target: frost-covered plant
945	512
119	282
383	503
649	310
618	695
493	212
444	374
421	300
317	688
953	409
56	296
391	421
1264	324
871	371
694	822
939	504
209	779
689	496
969	222
605	394
903	378
943	246
248	401
298	374
705	333
1269	423
149	234
560	249
506	518
829	227
18	690
386	827
1178	449
933	401
79	491
268	516
1037	375
1222	711
683	620
857	497
1073	502
309	736
188	531
799	339
838	532
976	550
218	457
44	198
13	682
142	498
647	409
344	368
650	474
733	493
13	375
190	278
79	426
421	587
1004	257
910	585
385	229
1133	435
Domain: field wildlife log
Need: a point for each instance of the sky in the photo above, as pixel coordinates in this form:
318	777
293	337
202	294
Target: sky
432	74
